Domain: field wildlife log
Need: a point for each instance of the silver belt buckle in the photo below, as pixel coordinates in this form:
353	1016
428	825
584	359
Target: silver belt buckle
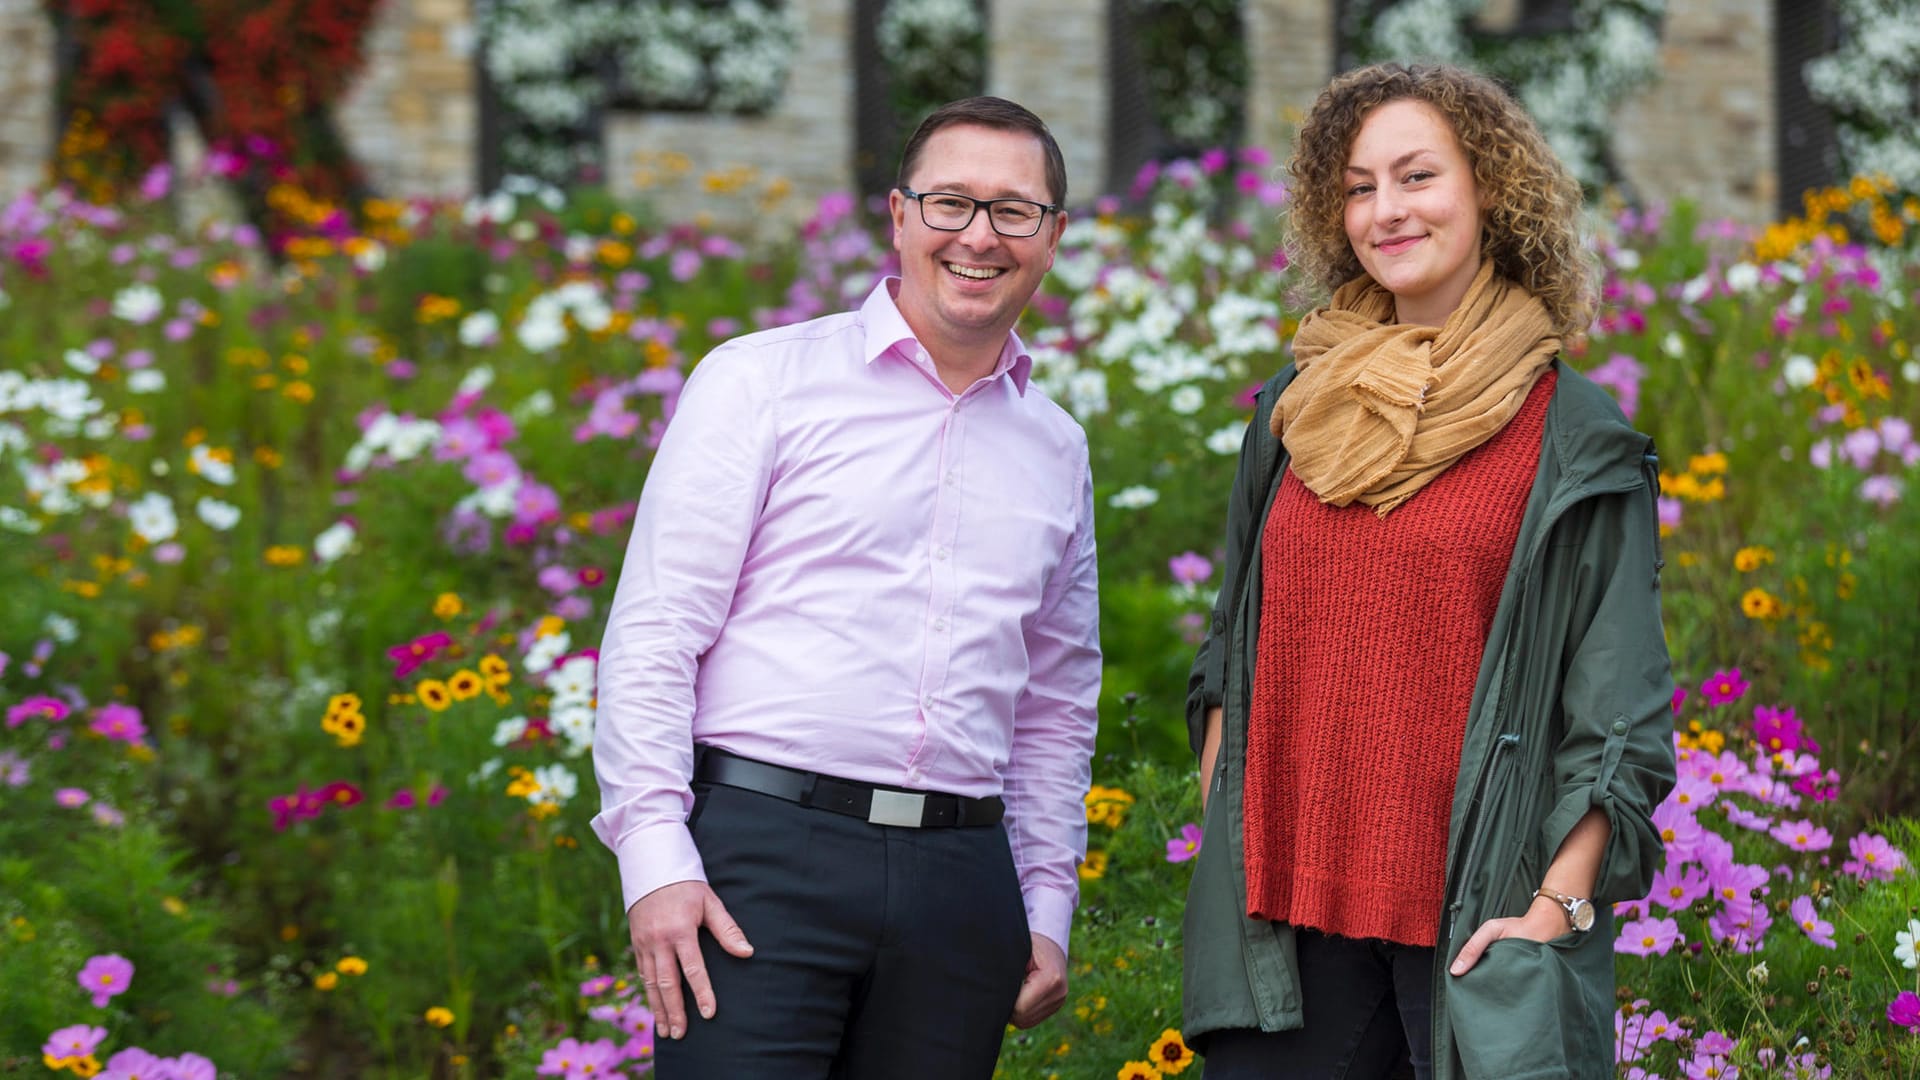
897	808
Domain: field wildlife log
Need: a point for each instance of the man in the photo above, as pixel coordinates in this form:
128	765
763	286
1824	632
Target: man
856	626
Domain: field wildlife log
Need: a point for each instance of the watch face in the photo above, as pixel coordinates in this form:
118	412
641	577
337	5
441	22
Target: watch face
1581	913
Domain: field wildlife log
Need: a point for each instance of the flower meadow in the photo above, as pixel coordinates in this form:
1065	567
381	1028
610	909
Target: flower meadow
309	537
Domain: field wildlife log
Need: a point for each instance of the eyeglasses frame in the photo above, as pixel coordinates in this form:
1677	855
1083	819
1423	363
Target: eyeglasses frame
978	205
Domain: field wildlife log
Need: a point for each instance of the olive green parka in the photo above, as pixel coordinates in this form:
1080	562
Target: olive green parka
1570	711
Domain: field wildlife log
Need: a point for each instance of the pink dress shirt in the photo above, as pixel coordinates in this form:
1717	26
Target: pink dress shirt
839	565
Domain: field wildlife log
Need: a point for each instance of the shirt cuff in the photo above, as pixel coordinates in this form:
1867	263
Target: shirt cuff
656	855
1050	914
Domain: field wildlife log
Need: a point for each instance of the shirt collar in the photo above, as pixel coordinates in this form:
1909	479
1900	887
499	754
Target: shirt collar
887	330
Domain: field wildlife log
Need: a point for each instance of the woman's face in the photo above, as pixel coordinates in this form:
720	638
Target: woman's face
1413	210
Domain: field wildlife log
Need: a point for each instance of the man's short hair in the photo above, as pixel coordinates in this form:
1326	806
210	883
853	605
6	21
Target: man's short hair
989	112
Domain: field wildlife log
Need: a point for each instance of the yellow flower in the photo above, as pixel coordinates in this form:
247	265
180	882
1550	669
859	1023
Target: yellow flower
1749	559
327	980
1137	1070
1712	464
285	555
549	625
433	694
174	906
343	703
1170	1054
1845	586
1094	867
439	1016
447	605
1759	604
464	685
351	965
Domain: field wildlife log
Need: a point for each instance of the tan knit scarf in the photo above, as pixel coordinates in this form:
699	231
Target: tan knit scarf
1379	409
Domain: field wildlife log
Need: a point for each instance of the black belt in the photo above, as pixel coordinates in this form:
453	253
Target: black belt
869	802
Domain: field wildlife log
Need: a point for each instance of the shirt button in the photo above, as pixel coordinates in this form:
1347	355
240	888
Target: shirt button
927	703
953	477
939	625
1619	727
940	552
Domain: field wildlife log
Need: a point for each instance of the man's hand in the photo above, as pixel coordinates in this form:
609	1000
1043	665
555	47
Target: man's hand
1045	988
665	925
1542	922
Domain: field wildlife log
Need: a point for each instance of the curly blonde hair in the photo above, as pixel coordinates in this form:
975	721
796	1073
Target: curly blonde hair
1532	222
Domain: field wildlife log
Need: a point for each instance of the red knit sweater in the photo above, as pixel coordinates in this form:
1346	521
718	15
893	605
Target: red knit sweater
1371	636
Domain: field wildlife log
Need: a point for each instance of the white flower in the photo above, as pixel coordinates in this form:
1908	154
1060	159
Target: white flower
1227	440
485	772
1799	371
1695	290
477	380
546	650
152	518
333	542
1903	950
1137	497
146	381
544	327
557	785
220	516
1186	400
13	438
1673	344
573	680
538	403
138	303
479	328
573	722
1087	393
81	361
371	257
60	628
1757	974
322	624
411	438
209	466
509	730
1743	277
1910	371
14	519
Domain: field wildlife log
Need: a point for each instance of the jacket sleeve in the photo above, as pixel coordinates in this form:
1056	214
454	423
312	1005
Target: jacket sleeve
1617	750
1206	683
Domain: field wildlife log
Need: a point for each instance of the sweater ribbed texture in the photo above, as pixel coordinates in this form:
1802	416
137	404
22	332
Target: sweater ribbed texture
1372	634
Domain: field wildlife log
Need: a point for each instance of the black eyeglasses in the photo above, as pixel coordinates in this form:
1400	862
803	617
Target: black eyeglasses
952	212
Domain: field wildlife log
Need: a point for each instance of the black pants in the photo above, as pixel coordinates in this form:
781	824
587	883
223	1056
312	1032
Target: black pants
1369	1016
879	951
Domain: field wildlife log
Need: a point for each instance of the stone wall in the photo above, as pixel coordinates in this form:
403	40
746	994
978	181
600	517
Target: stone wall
1052	58
1290	46
27	88
769	169
1705	130
412	117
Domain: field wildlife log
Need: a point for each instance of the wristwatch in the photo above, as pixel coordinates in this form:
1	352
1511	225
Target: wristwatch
1579	911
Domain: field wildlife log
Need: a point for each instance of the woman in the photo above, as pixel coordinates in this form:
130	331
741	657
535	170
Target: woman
1432	710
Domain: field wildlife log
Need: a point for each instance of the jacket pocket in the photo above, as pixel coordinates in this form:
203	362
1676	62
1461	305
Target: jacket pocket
1527	1010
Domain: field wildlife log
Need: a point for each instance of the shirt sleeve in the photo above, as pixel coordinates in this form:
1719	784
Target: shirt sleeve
691	531
1054	724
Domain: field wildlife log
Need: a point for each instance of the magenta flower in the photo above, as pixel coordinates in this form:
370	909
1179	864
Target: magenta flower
1738	885
1680	831
190	1066
408	657
52	710
134	1063
1723	687
1186	845
596	986
120	722
1820	787
1873	858
106	976
1778	730
1693	793
1647	937
1679	696
1190	568
74	1042
1904	1010
1818	930
71	797
341	794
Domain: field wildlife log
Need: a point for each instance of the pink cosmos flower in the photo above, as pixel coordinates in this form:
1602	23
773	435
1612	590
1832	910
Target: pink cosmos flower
106	976
1647	937
1904	1010
1802	835
1723	686
596	986
1818	930
1735	885
1189	568
572	1059
120	722
52	710
409	656
74	1042
1744	929
1746	818
341	794
71	797
1693	793
1873	858
1186	845
190	1067
1678	885
1820	787
15	770
1679	692
134	1063
1679	830
1778	730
